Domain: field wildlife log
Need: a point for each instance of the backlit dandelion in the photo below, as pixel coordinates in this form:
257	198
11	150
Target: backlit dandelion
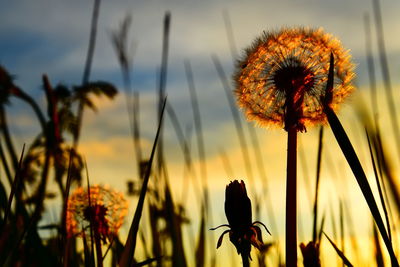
288	78
104	212
282	77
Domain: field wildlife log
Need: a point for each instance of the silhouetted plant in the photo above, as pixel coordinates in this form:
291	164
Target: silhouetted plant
280	81
243	233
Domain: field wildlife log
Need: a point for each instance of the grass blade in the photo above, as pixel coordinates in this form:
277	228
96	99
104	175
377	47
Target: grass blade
371	68
66	241
238	123
355	165
379	186
13	188
162	82
252	132
201	151
129	250
7	210
198	127
341	219
385	74
303	166
91	223
6	168
387	170
339	252
7	138
378	248
320	143
88	66
174	223
185	150
230	36
200	248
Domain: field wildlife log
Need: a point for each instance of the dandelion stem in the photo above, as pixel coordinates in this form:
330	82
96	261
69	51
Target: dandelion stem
245	260
291	200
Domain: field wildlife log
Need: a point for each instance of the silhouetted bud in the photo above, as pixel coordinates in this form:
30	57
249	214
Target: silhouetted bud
242	233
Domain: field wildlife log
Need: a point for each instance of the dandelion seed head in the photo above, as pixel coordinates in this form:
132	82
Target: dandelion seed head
281	79
106	210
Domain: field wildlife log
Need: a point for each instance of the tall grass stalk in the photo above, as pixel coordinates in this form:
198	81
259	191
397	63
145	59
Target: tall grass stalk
371	68
381	196
305	171
5	165
130	245
14	187
333	216
7	211
318	175
91	223
88	67
253	135
388	180
119	40
199	133
163	80
386	74
341	220
339	252
355	165
203	167
386	170
378	248
226	163
238	123
7	139
64	239
183	143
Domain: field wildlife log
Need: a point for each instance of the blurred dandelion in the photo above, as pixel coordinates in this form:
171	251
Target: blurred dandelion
102	209
243	232
283	75
285	79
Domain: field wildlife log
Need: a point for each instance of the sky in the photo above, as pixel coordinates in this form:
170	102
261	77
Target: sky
51	37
